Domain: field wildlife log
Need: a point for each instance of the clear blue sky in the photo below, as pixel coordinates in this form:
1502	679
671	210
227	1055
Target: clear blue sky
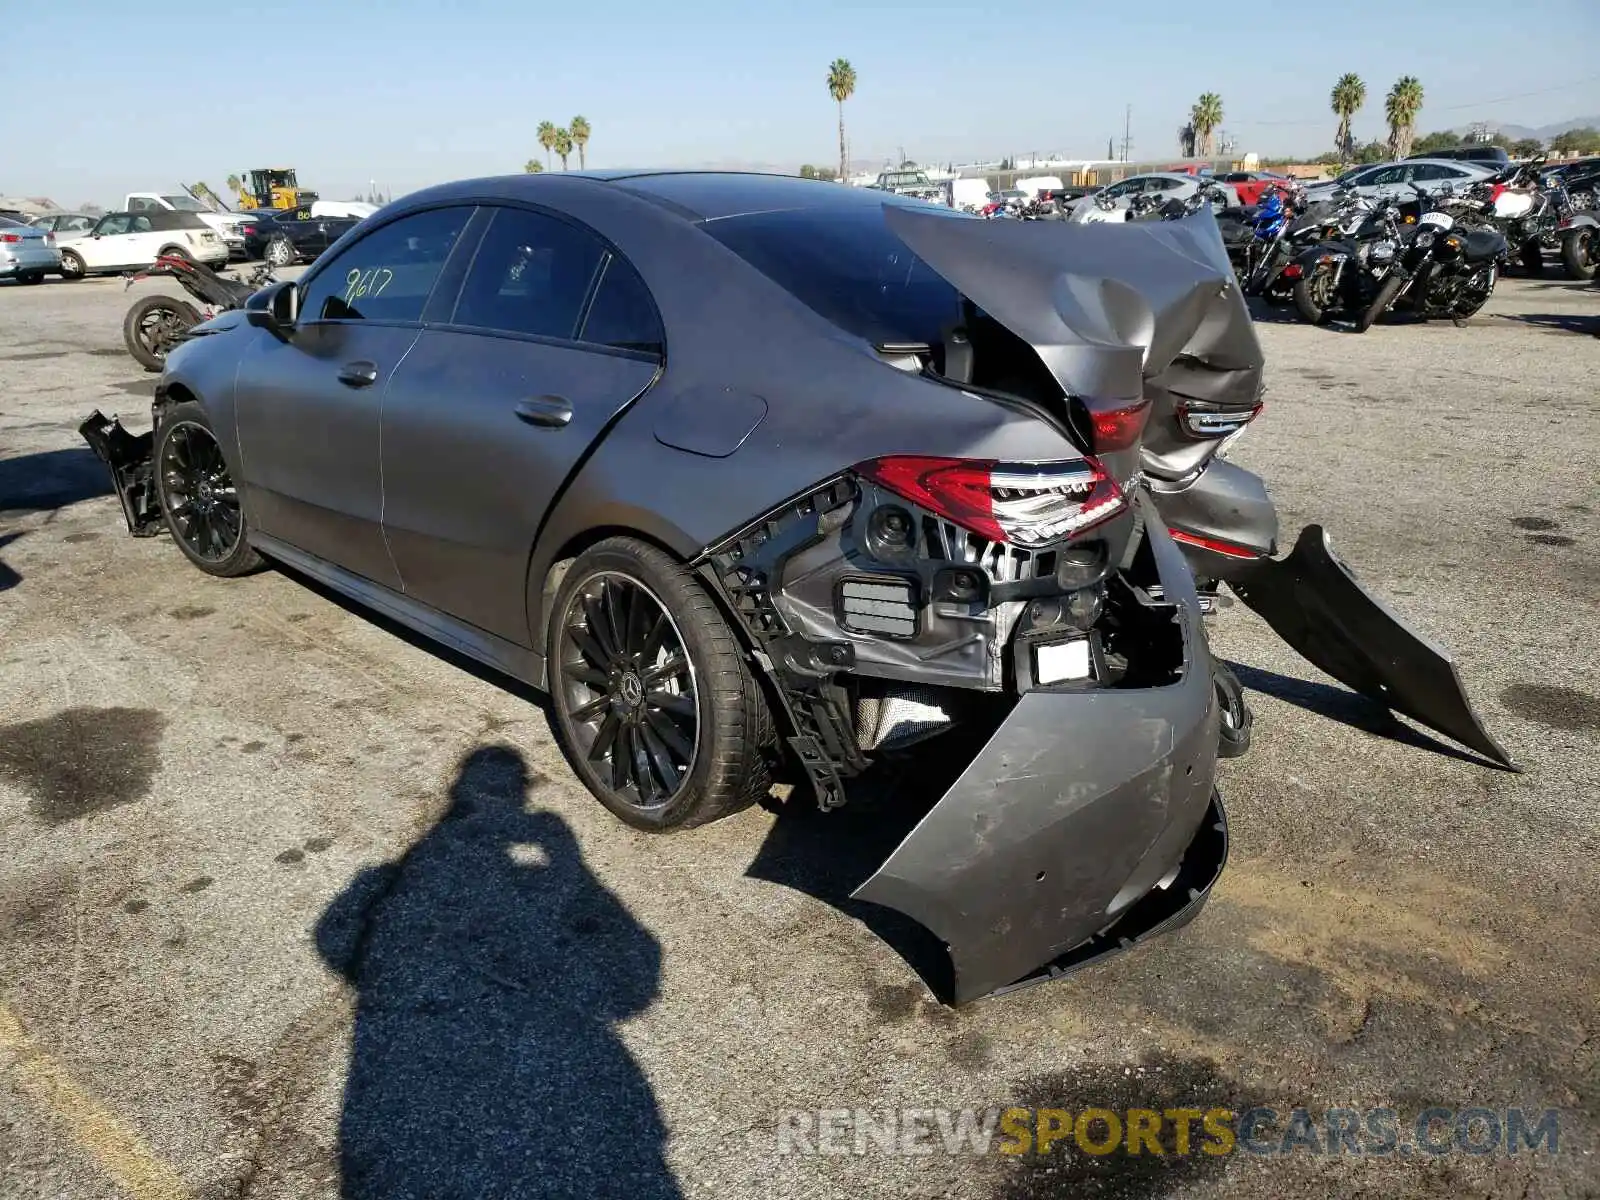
410	93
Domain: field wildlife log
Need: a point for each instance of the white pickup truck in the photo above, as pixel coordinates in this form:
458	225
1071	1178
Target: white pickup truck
225	223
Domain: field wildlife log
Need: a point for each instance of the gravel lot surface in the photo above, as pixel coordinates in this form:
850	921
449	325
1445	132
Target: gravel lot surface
292	905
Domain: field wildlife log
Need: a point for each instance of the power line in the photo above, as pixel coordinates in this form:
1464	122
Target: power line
1450	107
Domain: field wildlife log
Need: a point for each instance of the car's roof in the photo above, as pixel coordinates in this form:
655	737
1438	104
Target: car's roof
694	195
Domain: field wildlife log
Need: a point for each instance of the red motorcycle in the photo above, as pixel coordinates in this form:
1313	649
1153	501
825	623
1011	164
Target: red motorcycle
156	324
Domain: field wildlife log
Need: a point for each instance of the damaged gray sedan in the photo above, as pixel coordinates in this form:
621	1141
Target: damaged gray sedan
744	468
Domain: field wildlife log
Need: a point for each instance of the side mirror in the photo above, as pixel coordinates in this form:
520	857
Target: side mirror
275	308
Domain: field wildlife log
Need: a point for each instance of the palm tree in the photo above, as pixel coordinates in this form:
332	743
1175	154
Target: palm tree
547	139
1402	107
841	86
563	146
533	166
1349	94
580	137
1205	116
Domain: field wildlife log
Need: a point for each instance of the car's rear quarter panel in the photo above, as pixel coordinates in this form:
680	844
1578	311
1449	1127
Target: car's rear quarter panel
830	401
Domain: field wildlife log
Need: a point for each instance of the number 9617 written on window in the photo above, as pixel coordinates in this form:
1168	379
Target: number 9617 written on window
388	274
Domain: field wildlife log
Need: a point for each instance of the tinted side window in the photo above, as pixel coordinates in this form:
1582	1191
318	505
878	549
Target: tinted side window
531	275
387	275
114	225
622	314
1424	172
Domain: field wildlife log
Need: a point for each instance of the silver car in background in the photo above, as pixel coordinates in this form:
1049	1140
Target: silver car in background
1398	178
64	222
27	254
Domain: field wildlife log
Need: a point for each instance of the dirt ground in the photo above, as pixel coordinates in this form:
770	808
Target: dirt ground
293	905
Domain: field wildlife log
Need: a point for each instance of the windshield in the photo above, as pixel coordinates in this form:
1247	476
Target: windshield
846	266
185	203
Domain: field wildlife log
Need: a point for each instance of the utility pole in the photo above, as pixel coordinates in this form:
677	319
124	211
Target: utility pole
1127	132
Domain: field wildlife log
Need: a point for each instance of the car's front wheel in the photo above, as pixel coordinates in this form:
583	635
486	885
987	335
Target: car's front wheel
658	711
199	498
72	266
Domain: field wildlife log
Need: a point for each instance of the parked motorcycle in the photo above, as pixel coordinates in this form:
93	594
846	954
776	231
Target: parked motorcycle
1323	221
1251	235
1537	211
1338	275
156	324
1440	270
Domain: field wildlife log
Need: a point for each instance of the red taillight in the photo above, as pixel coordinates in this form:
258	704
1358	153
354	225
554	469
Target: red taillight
1118	428
247	229
1292	271
1024	504
10	238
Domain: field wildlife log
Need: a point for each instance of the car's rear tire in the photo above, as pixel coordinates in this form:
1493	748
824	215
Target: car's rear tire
31	277
280	252
72	266
200	502
655	704
151	325
175	252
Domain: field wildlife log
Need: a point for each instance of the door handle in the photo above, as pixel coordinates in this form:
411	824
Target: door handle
548	412
358	374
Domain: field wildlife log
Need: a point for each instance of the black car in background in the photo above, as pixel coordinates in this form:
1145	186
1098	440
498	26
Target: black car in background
287	236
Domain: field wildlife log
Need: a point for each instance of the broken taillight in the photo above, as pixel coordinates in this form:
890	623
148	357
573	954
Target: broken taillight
1024	504
1202	419
1118	428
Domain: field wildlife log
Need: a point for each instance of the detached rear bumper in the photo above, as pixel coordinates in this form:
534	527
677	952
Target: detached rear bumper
1087	823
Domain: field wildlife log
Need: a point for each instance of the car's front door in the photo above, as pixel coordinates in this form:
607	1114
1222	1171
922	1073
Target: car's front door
103	246
309	404
552	335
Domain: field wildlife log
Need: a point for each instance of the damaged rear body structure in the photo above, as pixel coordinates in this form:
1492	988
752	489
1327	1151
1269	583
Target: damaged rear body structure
1012	519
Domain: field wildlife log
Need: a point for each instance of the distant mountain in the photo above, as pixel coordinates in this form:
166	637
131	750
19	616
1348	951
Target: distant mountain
1544	132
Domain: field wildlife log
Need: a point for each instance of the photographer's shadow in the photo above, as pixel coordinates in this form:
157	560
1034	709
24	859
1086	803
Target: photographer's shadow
490	966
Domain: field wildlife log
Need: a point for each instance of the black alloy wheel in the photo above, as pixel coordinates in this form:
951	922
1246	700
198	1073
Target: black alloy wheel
629	690
198	496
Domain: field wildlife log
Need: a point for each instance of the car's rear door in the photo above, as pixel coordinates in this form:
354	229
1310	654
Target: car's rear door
551	337
309	405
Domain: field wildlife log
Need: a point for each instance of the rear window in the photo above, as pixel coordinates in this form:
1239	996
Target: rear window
845	265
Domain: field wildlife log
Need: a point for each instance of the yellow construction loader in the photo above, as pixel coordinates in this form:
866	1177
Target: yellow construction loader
270	187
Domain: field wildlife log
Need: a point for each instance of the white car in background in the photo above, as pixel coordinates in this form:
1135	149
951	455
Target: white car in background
128	241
